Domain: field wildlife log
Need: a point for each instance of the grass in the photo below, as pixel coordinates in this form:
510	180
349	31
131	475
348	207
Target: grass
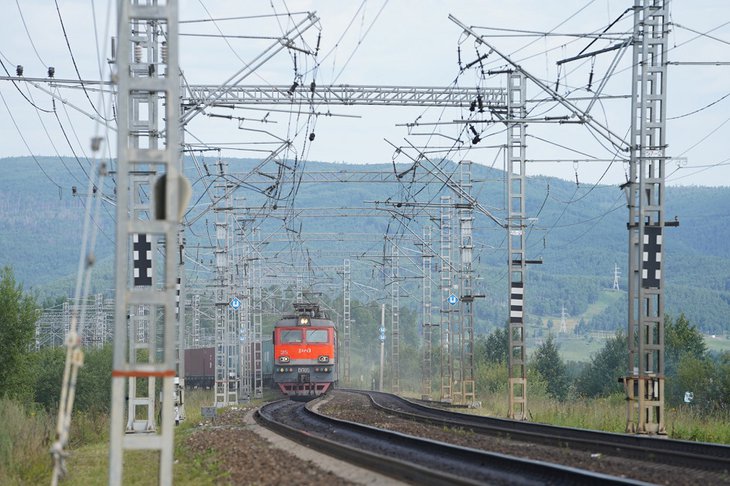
25	438
26	432
609	414
718	343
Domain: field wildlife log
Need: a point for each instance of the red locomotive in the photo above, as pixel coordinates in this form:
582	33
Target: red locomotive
305	352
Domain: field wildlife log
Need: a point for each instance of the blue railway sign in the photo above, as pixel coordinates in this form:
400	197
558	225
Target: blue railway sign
235	303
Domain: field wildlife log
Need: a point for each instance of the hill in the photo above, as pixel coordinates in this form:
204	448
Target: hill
579	232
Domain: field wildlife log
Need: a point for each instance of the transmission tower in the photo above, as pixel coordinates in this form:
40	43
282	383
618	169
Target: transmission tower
616	275
147	74
644	384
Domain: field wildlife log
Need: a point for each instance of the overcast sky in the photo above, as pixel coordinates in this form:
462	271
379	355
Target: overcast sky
396	42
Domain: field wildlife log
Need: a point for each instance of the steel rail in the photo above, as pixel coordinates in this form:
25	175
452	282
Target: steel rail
706	456
413	459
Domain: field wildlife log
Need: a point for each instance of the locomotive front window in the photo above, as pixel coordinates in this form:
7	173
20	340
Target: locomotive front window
290	336
316	335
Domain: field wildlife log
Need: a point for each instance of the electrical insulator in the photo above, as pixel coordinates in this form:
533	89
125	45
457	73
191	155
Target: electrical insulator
311	137
19	70
137	53
51	71
163	52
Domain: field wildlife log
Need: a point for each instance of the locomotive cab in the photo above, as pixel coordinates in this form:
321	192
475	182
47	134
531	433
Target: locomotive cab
305	346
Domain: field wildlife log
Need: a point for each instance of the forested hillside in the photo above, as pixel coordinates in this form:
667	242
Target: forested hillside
578	231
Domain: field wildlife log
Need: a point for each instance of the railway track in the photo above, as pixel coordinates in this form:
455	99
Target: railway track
413	459
696	455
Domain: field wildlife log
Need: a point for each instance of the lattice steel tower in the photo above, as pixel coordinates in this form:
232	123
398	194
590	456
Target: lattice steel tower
466	311
395	316
516	244
346	320
148	142
644	384
445	317
427	366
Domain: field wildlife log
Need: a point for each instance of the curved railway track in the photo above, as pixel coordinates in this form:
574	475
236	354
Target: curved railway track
696	455
412	459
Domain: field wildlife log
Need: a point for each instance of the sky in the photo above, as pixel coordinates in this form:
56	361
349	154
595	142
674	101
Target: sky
392	43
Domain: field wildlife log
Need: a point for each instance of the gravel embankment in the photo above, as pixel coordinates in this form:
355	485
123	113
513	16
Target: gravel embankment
357	408
234	454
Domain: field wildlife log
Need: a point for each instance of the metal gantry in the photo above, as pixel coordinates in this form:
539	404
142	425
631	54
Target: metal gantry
147	74
347	95
644	383
516	178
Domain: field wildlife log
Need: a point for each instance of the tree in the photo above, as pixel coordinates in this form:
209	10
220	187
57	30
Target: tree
493	348
548	363
687	366
600	377
680	338
18	314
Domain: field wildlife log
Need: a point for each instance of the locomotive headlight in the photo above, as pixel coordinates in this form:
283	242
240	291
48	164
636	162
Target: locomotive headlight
283	359
303	321
323	359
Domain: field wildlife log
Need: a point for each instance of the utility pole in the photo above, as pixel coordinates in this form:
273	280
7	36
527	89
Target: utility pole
644	383
395	317
382	346
257	320
466	301
446	314
245	327
147	74
346	321
426	262
516	179
226	332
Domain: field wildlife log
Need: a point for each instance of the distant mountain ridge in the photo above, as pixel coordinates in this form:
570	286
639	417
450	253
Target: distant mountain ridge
579	233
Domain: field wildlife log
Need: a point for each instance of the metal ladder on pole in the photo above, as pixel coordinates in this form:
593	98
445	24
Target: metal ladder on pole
148	143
